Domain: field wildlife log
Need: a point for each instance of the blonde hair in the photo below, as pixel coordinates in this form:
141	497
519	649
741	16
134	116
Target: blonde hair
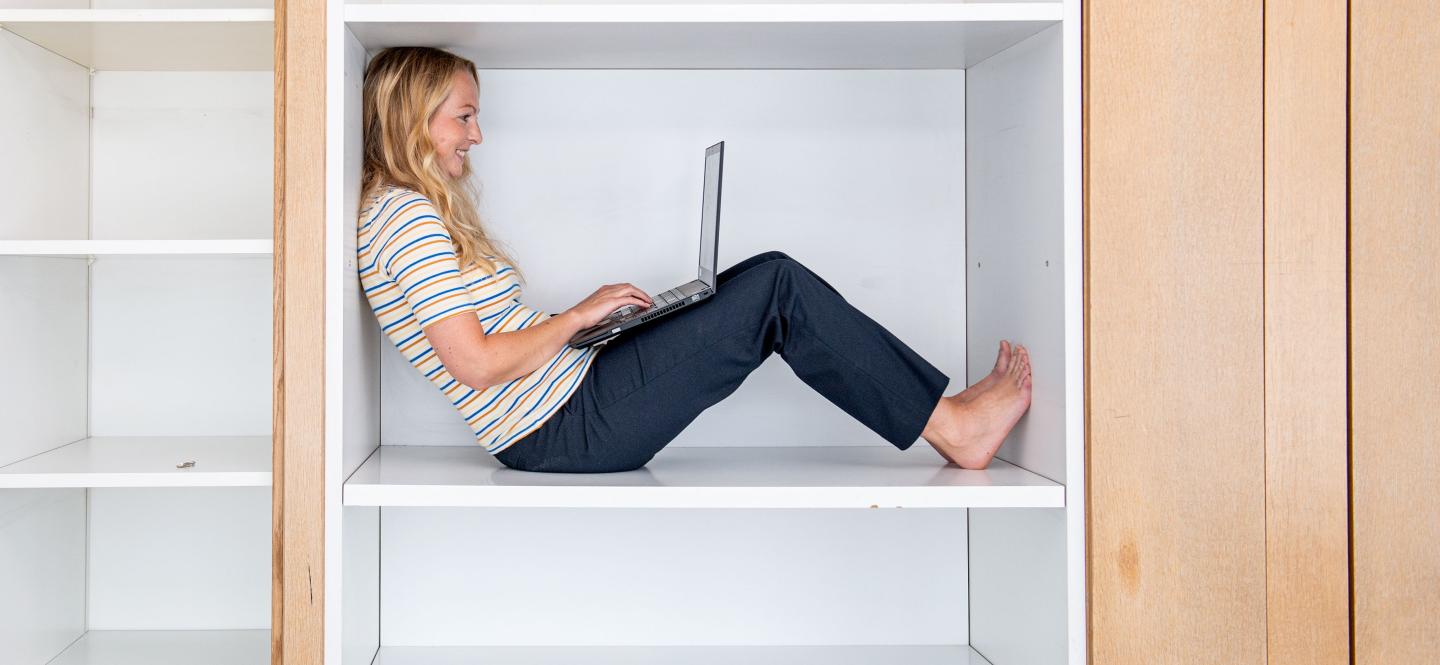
403	88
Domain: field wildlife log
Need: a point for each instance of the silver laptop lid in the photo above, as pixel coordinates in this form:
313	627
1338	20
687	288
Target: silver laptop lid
710	213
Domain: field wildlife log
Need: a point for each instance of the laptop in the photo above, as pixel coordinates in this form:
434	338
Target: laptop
682	296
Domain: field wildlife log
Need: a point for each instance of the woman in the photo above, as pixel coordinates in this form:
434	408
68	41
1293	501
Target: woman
449	299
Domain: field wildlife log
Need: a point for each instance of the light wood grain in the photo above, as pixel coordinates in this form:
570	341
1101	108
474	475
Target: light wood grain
1394	316
299	434
1306	465
1175	343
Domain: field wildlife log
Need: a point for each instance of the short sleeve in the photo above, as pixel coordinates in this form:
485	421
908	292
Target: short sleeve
416	252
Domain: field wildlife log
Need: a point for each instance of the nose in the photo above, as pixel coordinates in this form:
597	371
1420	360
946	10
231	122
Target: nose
474	134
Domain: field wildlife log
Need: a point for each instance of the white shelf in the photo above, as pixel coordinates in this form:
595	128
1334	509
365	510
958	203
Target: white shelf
704	36
151	39
94	248
700	477
168	647
691	655
143	461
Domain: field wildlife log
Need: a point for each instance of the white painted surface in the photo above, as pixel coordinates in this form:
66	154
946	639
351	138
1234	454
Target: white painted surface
1015	240
593	177
180	346
219	461
169	647
360	575
701	477
97	248
42	369
1075	491
1018	593
352	387
42	573
464	576
709	36
180	559
183	155
44	126
706	655
151	39
360	343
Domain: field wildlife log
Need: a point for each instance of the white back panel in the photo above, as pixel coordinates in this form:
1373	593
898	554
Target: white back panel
1015	239
1017	585
45	131
180	558
183	155
42	572
42	367
593	177
180	346
672	577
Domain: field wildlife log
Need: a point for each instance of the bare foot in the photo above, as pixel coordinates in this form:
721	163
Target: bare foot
969	433
1002	362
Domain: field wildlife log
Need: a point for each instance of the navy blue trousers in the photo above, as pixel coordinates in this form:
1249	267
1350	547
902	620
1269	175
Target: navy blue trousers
648	384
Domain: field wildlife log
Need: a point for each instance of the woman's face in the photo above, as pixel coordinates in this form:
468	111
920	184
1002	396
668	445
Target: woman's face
454	127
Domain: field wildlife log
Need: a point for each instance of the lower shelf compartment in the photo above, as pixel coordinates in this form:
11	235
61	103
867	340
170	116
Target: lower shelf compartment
947	654
168	647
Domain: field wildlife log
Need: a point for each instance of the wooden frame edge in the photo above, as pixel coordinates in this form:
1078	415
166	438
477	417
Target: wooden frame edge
298	489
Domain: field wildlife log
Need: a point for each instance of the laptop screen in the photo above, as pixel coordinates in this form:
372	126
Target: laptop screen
710	212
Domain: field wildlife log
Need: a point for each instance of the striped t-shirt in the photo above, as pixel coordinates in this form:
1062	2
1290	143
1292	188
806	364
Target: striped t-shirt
411	276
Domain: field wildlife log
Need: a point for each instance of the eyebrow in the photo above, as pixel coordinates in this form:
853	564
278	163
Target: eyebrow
467	106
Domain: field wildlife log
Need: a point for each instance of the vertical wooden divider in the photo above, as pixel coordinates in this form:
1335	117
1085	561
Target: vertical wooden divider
1306	436
1394	325
298	493
1175	331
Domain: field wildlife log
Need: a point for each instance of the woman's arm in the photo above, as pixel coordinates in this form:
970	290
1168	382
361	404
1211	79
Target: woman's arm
480	361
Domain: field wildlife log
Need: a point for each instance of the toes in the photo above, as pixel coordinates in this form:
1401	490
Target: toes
1002	360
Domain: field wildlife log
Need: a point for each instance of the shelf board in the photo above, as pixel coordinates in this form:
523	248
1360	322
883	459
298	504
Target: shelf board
708	36
692	655
168	647
96	248
146	461
151	39
702	477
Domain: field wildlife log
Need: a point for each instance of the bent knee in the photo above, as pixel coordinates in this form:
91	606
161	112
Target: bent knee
771	255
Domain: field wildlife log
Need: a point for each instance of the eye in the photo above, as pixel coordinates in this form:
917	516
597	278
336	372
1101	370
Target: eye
465	118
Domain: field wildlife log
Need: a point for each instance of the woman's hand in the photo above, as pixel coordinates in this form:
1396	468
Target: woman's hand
592	310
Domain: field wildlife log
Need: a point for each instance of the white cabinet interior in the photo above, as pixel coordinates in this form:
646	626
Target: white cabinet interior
135	273
923	158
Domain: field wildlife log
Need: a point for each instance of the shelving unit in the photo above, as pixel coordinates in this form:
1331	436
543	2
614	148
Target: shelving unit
913	154
135	390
